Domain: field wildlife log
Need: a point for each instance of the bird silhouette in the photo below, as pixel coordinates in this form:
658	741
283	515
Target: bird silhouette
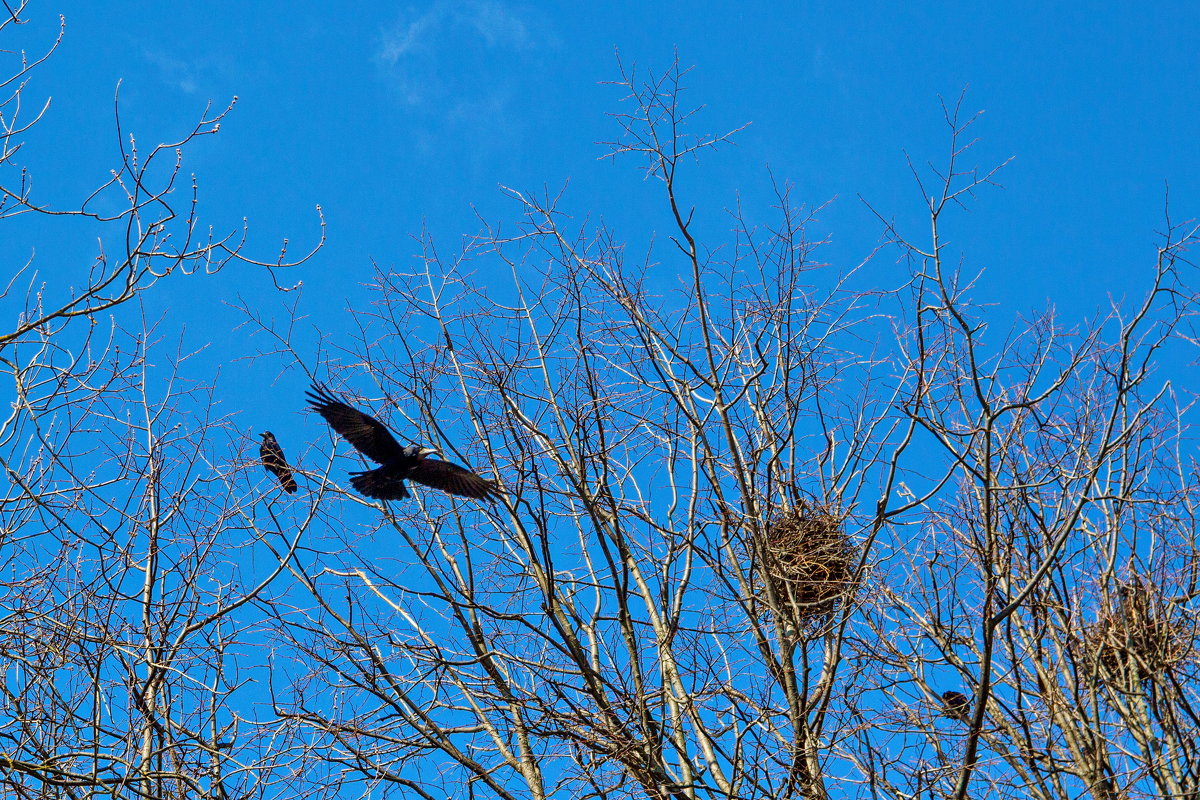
372	438
956	705
276	463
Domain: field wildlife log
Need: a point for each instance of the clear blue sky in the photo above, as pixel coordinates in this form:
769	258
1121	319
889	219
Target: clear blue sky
395	117
391	116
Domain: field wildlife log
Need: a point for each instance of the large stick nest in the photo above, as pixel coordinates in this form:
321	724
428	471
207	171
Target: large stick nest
807	564
1137	638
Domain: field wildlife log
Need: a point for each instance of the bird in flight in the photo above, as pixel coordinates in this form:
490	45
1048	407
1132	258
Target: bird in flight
273	459
372	438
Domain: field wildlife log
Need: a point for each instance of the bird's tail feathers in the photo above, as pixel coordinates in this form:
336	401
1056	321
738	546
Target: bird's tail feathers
379	483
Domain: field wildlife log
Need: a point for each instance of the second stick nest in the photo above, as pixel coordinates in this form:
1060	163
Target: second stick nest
1138	638
809	563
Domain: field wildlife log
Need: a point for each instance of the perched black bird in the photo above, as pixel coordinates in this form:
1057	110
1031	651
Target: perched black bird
956	705
275	462
372	438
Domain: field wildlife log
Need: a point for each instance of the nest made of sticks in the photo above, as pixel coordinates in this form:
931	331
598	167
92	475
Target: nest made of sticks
1137	638
809	562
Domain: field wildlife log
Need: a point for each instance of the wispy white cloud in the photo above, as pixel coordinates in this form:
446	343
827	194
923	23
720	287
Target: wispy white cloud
427	33
497	24
173	71
411	32
458	64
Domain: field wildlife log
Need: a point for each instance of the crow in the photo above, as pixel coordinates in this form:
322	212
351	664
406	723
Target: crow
956	705
372	438
273	459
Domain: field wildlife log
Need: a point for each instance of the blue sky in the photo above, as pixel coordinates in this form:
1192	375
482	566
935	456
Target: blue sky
397	116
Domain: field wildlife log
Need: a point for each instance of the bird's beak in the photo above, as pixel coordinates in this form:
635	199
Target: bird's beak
429	451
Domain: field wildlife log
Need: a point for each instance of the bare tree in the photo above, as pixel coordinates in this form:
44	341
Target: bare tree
757	520
131	511
692	452
1056	568
767	531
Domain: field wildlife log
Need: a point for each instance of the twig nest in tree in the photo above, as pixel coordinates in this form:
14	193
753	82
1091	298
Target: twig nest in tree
1137	638
809	563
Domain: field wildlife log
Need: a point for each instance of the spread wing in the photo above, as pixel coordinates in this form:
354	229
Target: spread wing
453	479
276	463
368	435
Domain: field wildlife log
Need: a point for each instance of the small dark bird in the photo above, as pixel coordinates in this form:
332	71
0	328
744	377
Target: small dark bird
372	438
956	705
275	462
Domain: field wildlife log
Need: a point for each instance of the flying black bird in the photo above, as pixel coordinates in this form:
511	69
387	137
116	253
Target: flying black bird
956	705
372	438
275	462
